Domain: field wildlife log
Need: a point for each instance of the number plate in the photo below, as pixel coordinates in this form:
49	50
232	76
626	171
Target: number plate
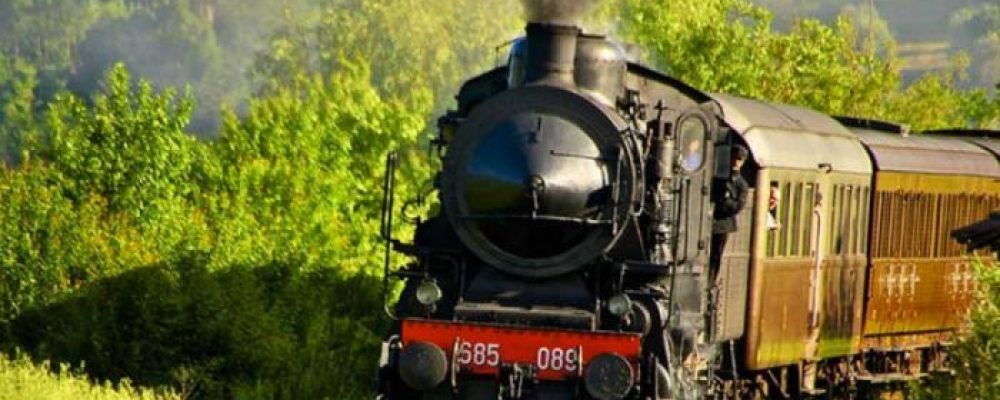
556	354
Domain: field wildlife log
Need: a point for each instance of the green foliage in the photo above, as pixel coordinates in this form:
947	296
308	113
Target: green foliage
253	333
729	46
170	42
301	174
18	81
979	29
976	355
242	267
981	107
20	378
100	197
142	253
50	245
130	147
872	29
46	32
208	44
414	45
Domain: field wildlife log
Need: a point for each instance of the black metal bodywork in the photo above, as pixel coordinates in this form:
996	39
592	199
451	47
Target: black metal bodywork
561	187
982	234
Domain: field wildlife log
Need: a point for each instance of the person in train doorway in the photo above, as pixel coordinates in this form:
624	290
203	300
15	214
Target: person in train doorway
730	196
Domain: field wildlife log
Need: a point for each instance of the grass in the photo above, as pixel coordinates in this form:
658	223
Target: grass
21	378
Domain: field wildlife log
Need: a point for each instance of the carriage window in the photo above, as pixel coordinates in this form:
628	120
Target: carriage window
796	216
832	227
783	209
807	207
844	246
773	199
935	214
845	220
849	218
865	217
883	238
857	225
893	237
845	213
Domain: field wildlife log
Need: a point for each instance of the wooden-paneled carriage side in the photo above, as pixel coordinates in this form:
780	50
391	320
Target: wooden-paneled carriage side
920	282
806	257
983	234
851	279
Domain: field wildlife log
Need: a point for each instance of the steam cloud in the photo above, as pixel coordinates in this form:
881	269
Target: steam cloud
567	12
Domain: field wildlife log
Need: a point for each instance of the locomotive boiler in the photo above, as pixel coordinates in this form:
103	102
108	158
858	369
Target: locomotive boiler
569	258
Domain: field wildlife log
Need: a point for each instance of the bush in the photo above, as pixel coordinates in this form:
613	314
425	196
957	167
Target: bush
272	332
975	357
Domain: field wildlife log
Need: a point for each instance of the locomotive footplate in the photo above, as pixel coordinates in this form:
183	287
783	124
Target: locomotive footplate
549	354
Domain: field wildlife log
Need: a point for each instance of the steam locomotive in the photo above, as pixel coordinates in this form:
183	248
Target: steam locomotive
569	259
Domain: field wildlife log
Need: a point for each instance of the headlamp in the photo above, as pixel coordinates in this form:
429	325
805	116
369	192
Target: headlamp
619	304
429	293
609	376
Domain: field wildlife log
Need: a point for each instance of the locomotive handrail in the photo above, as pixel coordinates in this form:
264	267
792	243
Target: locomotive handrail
602	158
388	198
388	202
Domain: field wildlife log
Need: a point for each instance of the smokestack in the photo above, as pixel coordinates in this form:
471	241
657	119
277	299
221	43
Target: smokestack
551	53
551	42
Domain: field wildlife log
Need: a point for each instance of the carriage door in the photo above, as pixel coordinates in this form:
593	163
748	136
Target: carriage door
815	206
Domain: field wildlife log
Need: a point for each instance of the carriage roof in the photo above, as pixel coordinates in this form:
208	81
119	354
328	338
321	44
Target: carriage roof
784	136
931	152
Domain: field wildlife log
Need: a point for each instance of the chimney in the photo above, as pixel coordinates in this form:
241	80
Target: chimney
551	53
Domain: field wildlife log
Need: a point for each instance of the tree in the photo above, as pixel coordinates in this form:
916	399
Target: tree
304	169
172	44
130	147
728	46
45	33
872	30
978	28
18	102
414	45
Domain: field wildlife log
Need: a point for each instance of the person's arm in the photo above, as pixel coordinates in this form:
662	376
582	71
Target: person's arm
742	189
731	203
